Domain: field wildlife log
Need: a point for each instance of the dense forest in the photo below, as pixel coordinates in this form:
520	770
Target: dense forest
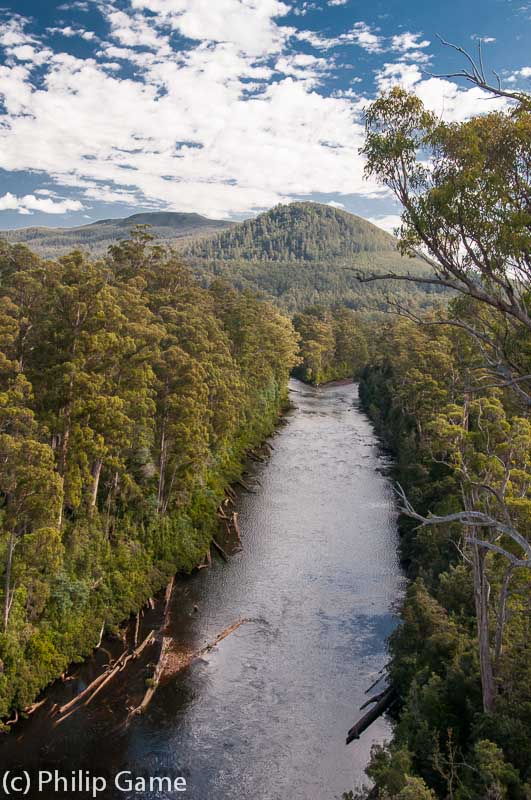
129	396
307	254
449	392
333	344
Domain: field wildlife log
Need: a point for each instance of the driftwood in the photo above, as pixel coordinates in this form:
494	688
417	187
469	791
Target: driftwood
137	629
220	550
34	707
180	663
167	601
100	636
155	680
245	486
378	679
387	699
374	699
88	694
236	526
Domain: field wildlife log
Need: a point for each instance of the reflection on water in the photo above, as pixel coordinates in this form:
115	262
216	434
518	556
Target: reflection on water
264	715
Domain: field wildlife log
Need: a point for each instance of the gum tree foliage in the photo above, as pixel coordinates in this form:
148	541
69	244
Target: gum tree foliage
450	390
128	398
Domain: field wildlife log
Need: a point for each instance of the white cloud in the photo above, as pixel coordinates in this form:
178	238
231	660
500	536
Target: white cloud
235	122
388	222
70	32
362	35
337	3
445	98
248	24
408	41
203	129
30	203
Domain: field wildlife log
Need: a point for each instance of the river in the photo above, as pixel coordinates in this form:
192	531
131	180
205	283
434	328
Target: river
263	716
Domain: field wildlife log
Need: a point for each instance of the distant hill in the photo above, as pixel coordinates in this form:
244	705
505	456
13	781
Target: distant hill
297	232
171	227
304	254
300	254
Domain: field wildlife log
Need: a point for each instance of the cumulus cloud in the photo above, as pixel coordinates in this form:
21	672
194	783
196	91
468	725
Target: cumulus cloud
30	203
408	41
235	121
248	24
70	32
365	37
445	98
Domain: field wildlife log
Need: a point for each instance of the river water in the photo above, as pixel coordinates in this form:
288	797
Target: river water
263	716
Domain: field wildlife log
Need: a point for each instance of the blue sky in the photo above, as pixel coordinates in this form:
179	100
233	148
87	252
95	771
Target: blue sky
224	107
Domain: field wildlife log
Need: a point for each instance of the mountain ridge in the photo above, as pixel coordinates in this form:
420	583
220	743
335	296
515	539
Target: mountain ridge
298	254
172	227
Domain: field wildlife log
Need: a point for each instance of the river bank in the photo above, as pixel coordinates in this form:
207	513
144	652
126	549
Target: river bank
316	582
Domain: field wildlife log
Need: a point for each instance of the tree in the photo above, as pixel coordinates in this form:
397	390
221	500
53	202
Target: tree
465	191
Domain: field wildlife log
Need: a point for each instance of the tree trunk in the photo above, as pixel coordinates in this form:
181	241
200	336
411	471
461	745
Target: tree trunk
481	599
96	472
162	466
502	616
7	579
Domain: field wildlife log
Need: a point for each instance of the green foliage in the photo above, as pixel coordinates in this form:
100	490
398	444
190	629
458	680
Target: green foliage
129	396
333	344
448	442
306	254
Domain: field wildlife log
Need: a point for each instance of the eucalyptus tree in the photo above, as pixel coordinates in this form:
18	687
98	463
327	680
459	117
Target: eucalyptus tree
465	190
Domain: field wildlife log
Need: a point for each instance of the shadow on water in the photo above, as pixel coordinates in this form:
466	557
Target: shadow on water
264	714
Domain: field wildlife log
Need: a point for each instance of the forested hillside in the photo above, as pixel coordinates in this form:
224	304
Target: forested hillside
306	254
299	255
129	396
297	232
168	227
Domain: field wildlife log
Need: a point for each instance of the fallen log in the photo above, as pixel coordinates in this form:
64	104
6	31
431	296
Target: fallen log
220	550
378	679
100	639
102	680
155	680
34	707
223	635
179	663
245	486
236	526
167	601
374	699
388	698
